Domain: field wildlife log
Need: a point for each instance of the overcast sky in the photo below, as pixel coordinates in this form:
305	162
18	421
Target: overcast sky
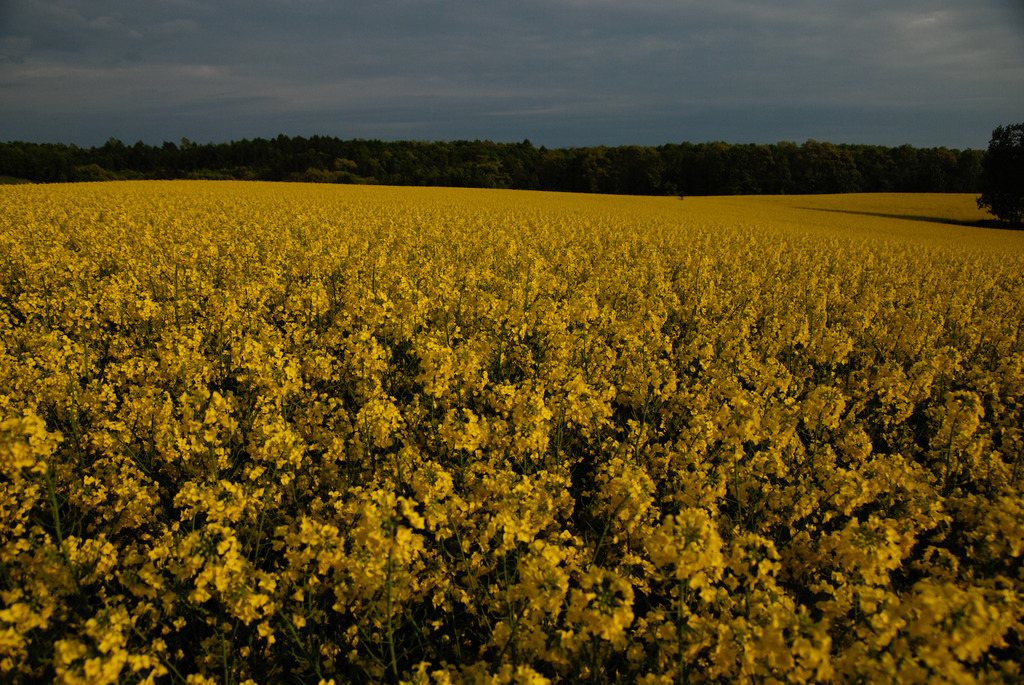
560	72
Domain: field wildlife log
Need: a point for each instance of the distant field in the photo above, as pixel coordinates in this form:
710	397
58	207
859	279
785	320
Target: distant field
934	217
297	433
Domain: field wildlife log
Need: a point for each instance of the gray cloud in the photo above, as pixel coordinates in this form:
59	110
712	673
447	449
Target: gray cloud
561	72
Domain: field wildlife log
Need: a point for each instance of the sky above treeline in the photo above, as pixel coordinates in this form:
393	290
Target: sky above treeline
561	73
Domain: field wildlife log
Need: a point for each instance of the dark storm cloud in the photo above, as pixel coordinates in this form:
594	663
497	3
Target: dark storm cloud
561	72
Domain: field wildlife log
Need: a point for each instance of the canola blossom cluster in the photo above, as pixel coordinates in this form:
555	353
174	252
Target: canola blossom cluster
288	433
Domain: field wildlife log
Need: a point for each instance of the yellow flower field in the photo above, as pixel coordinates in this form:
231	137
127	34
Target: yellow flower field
304	433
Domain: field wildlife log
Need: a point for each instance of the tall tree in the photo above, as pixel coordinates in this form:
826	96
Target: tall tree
1002	175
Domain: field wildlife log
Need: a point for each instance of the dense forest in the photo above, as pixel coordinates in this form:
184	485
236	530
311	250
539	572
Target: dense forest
674	169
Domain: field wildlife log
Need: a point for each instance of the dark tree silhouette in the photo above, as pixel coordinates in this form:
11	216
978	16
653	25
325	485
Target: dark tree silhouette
714	168
1002	175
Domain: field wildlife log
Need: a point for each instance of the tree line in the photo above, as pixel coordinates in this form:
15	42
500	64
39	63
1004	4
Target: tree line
715	168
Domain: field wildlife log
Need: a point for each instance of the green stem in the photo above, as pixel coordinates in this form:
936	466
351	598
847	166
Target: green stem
163	659
736	485
391	634
949	459
513	619
469	575
55	509
456	641
607	525
224	654
681	667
